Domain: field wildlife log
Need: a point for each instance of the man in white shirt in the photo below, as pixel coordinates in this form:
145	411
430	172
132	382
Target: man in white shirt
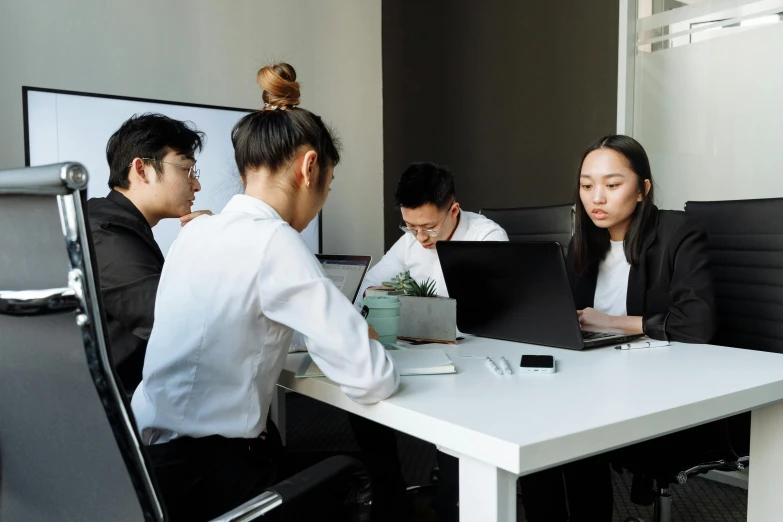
430	213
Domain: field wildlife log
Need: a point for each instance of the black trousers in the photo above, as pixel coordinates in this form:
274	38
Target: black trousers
447	489
378	444
202	478
577	492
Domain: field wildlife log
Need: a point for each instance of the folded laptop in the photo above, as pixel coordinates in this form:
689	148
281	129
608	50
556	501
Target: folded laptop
517	292
346	272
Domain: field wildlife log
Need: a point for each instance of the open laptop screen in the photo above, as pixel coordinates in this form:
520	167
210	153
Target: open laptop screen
346	272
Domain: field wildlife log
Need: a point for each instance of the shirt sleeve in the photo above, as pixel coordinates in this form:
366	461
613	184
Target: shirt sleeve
294	292
298	343
691	315
389	266
129	276
496	234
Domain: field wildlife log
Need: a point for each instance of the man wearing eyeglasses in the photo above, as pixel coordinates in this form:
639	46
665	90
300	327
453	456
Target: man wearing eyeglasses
430	213
152	176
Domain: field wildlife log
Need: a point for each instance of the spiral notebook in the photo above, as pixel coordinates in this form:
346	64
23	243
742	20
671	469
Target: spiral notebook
419	361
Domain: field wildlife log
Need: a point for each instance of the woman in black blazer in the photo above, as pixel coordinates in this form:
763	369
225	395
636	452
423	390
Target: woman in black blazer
633	268
669	287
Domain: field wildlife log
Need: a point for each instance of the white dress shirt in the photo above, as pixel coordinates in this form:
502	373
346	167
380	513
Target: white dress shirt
233	289
611	288
408	254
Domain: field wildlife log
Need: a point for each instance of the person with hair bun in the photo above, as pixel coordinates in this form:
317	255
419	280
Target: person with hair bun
233	289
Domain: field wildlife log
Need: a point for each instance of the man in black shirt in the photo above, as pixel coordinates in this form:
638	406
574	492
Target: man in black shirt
152	176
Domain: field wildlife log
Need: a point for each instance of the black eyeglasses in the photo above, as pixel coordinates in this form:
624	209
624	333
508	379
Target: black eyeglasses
193	172
435	232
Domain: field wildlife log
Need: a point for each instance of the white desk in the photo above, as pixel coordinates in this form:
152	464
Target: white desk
599	400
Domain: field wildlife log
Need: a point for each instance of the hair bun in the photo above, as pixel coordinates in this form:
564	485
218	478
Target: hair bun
278	81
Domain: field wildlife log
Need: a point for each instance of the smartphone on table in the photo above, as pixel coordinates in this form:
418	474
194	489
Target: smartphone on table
537	364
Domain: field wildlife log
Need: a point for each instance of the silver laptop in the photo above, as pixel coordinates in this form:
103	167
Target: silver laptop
346	272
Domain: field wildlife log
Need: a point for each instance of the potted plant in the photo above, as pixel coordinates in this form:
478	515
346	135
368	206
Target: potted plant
424	315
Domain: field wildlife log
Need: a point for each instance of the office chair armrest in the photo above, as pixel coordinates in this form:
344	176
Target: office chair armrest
47	301
252	509
330	469
718	465
325	471
38	302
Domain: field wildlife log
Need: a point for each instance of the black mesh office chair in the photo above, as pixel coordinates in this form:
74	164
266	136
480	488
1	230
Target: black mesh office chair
69	448
746	258
552	223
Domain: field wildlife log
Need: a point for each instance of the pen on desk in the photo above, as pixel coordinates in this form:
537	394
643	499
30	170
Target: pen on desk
505	365
641	344
492	366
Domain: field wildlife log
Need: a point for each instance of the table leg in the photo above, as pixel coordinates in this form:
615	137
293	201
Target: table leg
766	462
278	411
486	493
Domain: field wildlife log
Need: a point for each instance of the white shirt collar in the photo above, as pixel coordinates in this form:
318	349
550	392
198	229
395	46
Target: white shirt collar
250	205
462	227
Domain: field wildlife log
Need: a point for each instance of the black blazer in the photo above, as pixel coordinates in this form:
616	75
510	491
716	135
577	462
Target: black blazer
129	266
671	287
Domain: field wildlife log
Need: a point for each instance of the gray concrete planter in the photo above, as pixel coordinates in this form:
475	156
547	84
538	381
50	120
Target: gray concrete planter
428	319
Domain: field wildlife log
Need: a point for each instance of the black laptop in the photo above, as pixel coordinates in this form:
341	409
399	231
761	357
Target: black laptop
517	292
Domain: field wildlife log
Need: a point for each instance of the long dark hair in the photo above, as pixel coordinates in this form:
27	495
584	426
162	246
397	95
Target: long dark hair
591	243
270	137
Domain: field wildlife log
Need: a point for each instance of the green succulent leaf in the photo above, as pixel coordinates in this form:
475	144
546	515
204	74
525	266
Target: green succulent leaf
403	282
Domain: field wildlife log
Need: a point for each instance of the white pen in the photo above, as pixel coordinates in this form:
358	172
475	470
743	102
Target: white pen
505	365
492	366
641	344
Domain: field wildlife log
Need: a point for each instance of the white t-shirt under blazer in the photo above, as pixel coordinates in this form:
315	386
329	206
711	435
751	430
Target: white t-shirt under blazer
611	289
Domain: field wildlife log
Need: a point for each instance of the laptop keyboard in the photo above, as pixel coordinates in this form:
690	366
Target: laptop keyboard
590	336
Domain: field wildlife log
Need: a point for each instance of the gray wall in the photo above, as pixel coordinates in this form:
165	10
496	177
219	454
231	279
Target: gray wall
505	93
203	51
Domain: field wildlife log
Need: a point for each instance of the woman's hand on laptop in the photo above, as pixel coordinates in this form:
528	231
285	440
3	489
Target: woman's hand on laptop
591	319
